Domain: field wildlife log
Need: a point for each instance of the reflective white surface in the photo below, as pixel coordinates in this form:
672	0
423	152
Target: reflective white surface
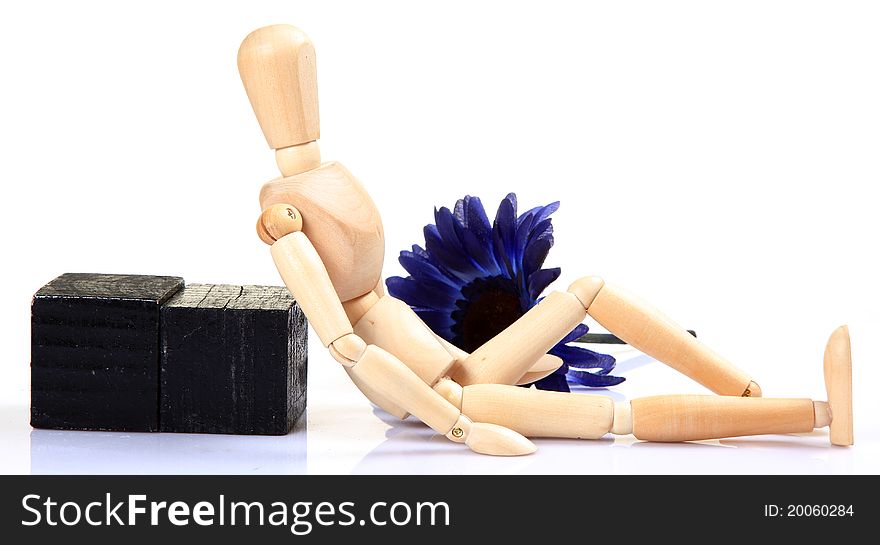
344	434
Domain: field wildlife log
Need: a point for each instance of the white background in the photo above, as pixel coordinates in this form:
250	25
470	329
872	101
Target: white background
719	159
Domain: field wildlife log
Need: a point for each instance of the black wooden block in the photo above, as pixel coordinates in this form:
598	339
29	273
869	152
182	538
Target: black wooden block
233	360
95	351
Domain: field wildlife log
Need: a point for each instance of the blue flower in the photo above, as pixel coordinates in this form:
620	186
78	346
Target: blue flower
473	279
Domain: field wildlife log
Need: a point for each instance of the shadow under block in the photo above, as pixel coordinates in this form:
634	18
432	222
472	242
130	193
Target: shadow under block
233	360
95	351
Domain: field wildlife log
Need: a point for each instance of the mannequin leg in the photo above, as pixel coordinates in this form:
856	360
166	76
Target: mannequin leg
508	356
536	413
646	329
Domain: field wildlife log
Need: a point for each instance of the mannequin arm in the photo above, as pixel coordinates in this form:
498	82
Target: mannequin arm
545	365
508	356
304	273
307	279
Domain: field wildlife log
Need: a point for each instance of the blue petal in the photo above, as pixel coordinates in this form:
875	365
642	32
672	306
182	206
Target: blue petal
475	218
525	298
539	280
541	230
447	247
579	331
521	239
446	227
421	268
593	381
535	254
440	292
504	234
480	258
501	257
475	233
450	261
511	198
582	358
458	211
545	211
394	285
421	252
451	231
553	382
527	216
480	249
410	291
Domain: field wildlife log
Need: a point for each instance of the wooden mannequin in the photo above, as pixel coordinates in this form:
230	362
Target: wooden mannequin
328	244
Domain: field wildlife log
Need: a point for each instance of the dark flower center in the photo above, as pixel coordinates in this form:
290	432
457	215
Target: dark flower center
487	307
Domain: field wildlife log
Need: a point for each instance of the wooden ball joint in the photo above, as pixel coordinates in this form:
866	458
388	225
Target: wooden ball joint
277	221
327	242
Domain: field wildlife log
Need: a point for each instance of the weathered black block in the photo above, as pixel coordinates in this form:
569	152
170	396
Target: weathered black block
233	360
95	351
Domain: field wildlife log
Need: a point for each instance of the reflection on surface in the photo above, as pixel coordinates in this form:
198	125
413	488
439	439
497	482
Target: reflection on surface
89	452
